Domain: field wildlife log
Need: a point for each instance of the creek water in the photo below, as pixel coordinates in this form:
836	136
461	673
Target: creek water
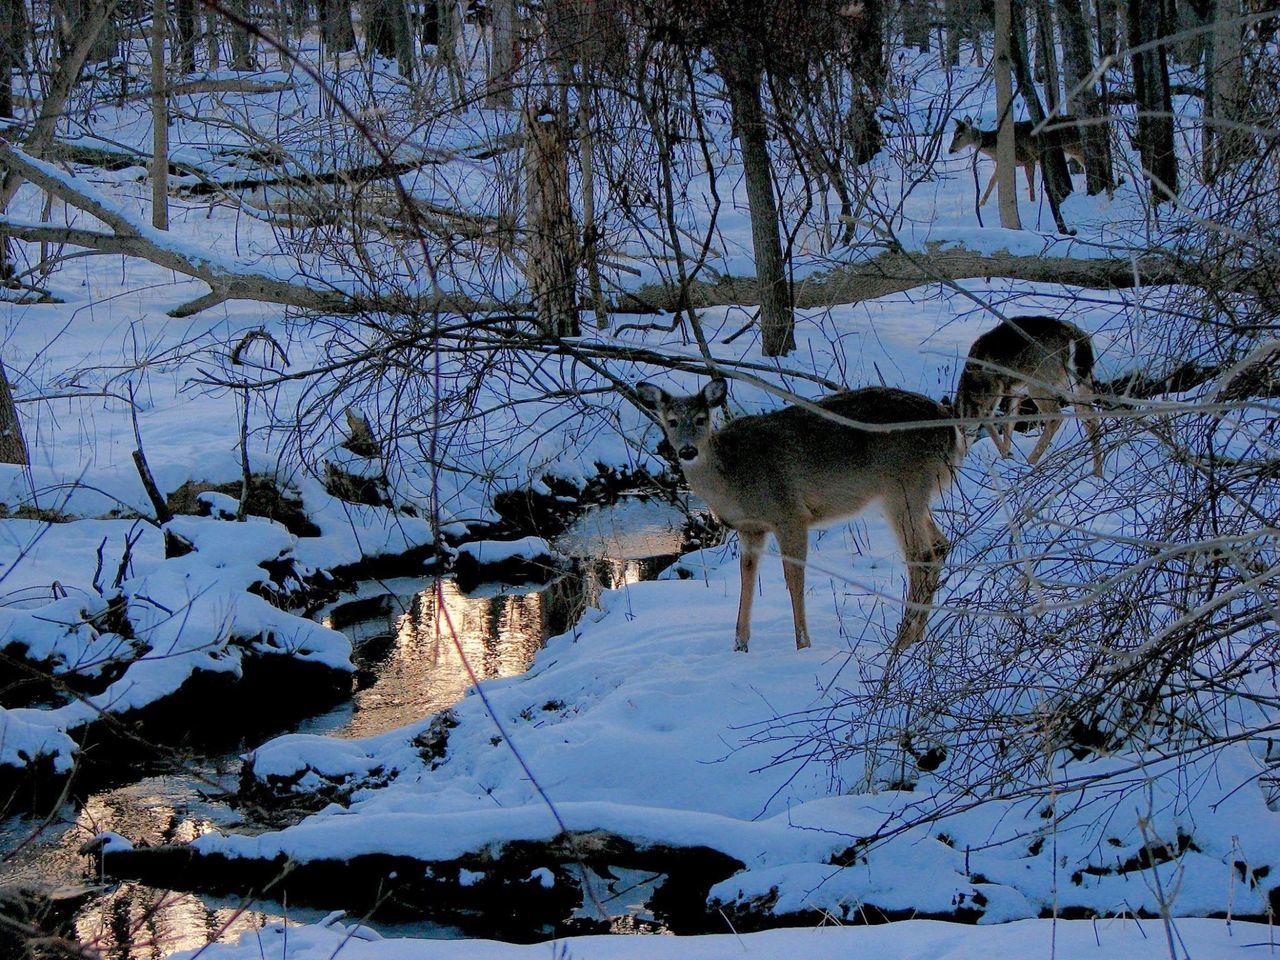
409	668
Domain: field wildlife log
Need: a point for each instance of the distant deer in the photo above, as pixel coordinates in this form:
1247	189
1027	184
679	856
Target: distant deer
787	471
1062	129
1048	361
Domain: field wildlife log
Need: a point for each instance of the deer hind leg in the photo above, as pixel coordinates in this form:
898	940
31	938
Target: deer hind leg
1051	411
793	543
925	549
1082	401
750	543
993	429
991	185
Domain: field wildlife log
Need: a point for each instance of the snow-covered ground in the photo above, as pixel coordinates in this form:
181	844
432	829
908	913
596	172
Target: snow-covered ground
839	780
909	940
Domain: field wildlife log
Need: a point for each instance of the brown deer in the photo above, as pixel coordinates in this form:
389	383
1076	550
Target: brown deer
1044	359
796	468
1062	129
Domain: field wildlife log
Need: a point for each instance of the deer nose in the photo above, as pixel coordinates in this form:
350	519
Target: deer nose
688	453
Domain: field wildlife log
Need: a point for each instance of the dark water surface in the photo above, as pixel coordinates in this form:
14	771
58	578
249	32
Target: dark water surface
410	667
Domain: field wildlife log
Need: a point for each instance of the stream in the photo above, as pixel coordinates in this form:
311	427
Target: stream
408	668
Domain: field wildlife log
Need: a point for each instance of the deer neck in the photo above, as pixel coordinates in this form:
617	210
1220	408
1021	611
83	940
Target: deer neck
710	480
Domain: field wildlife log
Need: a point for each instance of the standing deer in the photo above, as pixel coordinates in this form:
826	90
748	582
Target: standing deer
1063	131
796	468
1048	361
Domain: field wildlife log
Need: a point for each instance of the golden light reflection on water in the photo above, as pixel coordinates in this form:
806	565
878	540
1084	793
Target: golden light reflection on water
130	921
498	635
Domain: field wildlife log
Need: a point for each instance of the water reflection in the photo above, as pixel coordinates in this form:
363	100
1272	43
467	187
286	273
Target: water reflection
403	633
129	921
499	631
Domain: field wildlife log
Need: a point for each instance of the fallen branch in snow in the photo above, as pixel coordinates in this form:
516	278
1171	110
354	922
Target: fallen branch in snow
227	279
218	85
894	270
897	270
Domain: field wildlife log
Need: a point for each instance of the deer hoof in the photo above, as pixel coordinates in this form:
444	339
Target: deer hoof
740	647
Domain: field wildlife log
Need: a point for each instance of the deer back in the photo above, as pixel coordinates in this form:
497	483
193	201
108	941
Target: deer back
795	463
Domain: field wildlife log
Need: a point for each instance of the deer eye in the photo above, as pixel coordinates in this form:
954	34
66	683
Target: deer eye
672	423
699	420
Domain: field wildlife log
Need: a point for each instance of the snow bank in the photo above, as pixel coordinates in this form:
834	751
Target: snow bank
909	940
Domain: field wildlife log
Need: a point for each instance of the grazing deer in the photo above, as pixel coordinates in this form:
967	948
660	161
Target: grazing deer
787	471
1061	130
1047	360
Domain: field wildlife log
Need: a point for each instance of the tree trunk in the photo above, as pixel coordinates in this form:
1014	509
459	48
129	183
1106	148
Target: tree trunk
777	320
380	28
1191	16
450	27
185	49
55	100
1053	165
13	448
335	24
159	121
502	54
1105	12
13	32
106	43
1006	143
1083	102
1147	23
586	151
550	261
1047	56
405	59
243	52
212	47
915	25
955	28
1228	104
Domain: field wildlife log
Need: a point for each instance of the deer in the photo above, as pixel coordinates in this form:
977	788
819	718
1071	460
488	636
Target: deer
806	466
1063	131
1046	360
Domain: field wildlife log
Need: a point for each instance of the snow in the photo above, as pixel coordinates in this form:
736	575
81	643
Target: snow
908	940
498	551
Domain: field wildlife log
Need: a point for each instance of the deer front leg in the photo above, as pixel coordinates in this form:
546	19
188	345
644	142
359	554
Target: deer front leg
1030	170
750	543
991	185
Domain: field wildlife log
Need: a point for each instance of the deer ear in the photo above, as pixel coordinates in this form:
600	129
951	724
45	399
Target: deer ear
968	120
714	393
650	395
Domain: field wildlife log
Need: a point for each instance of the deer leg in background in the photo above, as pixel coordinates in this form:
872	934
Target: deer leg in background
1051	412
924	548
793	543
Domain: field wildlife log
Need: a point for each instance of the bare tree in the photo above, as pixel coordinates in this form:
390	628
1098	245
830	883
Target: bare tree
13	31
1226	139
184	51
159	122
1082	95
1006	142
13	448
335	24
1148	41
